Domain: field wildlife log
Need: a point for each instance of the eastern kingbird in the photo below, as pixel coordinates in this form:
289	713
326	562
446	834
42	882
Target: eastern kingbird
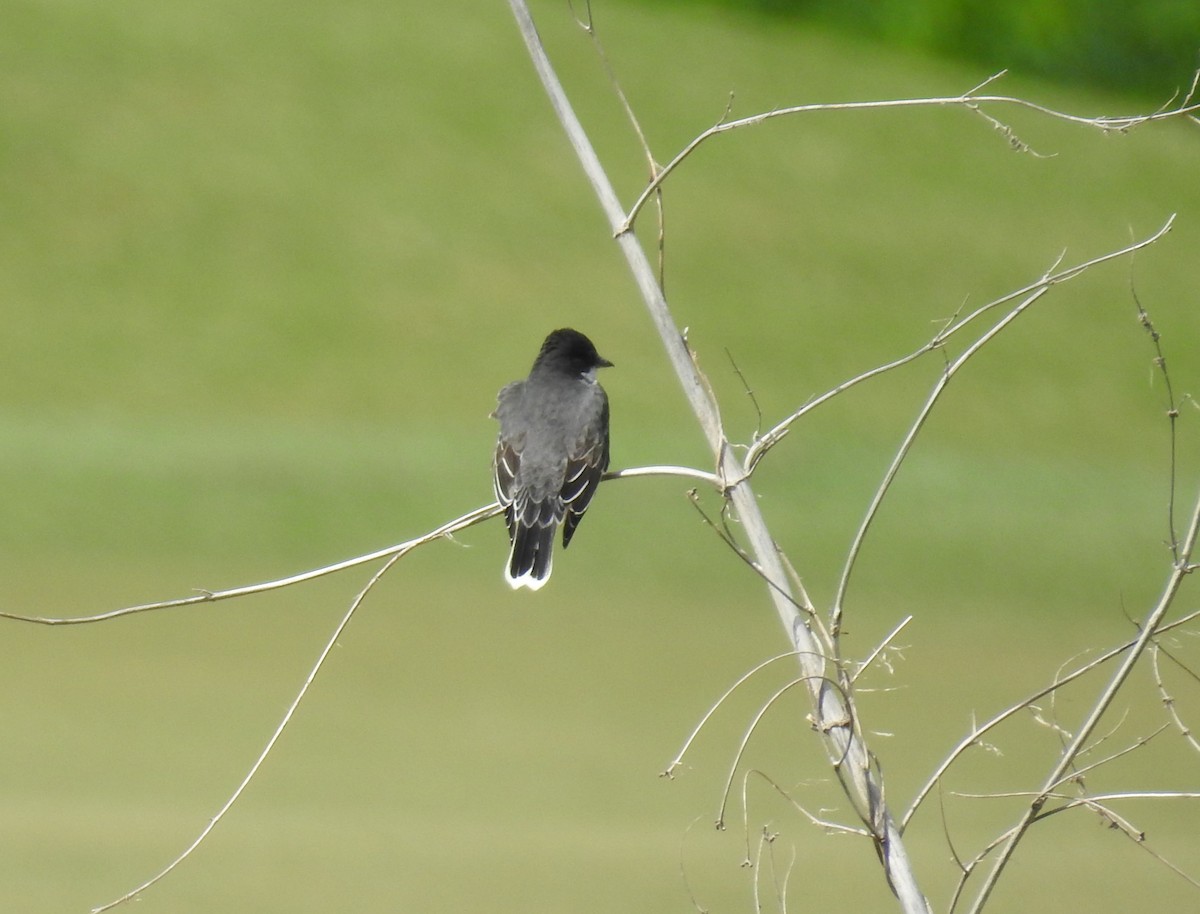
551	453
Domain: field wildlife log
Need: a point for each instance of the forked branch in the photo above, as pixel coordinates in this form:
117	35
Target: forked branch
832	719
971	100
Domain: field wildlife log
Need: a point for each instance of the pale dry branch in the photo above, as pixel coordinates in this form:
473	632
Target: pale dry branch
806	605
802	605
445	531
1150	626
1173	867
1049	721
669	771
683	472
262	756
1109	816
1172	411
1167	699
1099	804
741	750
1114	820
1070	800
683	870
1075	774
973	738
879	649
970	100
950	329
787	878
779	886
835	615
970	866
1007	132
748	390
954	855
391	555
766	845
1066	769
211	596
825	824
1050	279
589	27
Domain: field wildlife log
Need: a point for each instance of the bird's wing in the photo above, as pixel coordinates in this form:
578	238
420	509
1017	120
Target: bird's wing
585	465
504	470
507	460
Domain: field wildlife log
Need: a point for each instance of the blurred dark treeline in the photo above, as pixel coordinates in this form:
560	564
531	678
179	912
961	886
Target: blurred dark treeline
1145	47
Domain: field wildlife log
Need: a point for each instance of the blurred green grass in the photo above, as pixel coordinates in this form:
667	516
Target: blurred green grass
263	271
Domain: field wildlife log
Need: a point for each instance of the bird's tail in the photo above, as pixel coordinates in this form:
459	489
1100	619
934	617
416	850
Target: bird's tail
531	559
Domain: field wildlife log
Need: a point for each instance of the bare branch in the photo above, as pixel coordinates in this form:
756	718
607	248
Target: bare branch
1037	290
978	732
1100	805
1168	700
683	872
211	596
1075	774
741	750
828	826
652	165
880	648
1150	627
262	756
1160	362
669	771
445	531
939	388
748	390
971	100
953	327
1073	801
684	472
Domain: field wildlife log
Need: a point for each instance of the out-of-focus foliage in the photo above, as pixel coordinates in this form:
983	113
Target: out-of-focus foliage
1143	46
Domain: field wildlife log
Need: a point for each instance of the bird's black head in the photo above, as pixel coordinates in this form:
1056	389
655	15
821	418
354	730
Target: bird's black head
570	351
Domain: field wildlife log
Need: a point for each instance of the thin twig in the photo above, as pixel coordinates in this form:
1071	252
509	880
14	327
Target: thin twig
970	100
1037	290
749	392
1150	627
211	596
741	750
669	771
652	165
1076	774
1160	362
1071	801
978	732
1168	700
683	472
262	756
825	824
835	623
951	328
801	605
445	531
683	873
880	648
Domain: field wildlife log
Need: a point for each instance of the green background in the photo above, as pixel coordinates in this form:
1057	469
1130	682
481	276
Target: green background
1139	46
263	269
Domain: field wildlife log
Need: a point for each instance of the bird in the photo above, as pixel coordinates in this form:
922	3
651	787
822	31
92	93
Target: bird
551	452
